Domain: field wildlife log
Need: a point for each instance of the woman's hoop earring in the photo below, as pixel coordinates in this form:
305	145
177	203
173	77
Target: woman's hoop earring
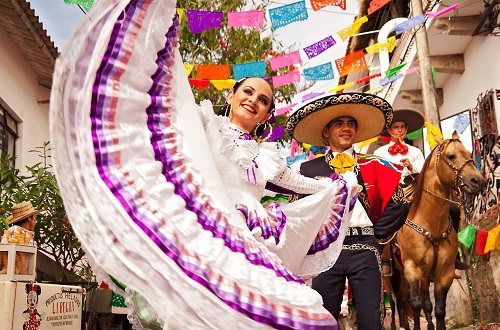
259	136
229	108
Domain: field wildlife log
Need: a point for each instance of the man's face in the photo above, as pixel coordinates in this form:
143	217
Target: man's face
398	129
340	133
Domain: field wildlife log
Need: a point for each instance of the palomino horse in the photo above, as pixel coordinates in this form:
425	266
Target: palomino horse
427	244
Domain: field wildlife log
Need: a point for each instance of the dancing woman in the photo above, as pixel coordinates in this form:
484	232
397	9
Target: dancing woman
164	195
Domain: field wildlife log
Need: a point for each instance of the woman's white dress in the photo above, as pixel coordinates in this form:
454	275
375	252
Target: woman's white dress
164	195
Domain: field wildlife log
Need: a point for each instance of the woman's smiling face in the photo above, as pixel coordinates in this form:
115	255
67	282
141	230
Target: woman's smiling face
250	103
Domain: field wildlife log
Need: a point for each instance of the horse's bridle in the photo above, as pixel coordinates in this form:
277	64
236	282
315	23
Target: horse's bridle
459	181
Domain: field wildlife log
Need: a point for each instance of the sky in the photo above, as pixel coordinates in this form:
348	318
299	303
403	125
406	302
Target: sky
61	19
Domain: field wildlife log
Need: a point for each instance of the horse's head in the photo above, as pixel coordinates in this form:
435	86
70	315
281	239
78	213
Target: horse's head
456	168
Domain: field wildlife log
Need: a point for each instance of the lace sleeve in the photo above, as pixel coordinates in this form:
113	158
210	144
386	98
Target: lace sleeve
298	183
206	111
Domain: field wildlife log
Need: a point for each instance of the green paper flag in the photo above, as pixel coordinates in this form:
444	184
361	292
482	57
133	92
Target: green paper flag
392	71
414	135
467	236
117	300
86	4
434	76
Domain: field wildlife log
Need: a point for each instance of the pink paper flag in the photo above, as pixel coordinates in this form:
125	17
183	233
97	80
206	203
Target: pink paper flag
286	78
442	11
281	111
285	60
249	19
412	70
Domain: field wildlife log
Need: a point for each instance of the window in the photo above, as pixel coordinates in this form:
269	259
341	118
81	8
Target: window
8	132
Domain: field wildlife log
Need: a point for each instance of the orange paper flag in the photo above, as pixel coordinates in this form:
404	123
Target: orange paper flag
318	4
351	63
213	71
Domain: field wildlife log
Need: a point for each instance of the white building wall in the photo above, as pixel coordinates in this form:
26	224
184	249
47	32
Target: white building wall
20	94
482	73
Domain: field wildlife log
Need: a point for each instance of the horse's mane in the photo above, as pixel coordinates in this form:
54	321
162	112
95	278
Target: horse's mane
419	185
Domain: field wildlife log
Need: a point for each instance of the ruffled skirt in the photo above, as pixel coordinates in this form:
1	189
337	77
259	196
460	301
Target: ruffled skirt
140	188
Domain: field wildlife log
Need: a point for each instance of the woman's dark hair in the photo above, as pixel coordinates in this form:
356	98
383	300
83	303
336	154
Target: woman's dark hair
224	110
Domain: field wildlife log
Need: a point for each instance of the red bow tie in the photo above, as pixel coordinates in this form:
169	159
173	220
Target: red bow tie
398	148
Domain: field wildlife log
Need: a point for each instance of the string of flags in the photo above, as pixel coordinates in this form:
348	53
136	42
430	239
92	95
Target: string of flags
486	241
203	20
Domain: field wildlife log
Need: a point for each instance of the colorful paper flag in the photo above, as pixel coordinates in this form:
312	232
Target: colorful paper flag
431	132
481	238
201	84
461	122
223	84
86	4
351	63
188	68
388	44
285	60
493	241
319	47
412	70
200	20
319	72
213	71
288	14
386	81
346	32
251	69
286	78
249	19
367	78
283	110
376	5
341	87
411	23
311	96
442	11
318	4
392	71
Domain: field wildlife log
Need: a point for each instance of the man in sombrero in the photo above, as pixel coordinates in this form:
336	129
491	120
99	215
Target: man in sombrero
339	121
405	121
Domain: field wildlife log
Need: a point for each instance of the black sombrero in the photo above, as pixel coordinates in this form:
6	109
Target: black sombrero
372	113
413	118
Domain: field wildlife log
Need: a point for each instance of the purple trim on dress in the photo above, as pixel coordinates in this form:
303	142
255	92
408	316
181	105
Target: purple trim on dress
271	226
332	229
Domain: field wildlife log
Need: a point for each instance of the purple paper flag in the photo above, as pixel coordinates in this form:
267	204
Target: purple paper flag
412	22
311	96
285	60
319	47
286	78
199	20
385	81
288	14
250	19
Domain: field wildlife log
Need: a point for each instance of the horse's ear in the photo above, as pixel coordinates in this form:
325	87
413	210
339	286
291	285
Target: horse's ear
455	136
438	139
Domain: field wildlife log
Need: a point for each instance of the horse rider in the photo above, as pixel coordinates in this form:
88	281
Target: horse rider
339	121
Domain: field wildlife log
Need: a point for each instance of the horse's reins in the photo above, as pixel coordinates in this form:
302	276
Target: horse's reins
459	182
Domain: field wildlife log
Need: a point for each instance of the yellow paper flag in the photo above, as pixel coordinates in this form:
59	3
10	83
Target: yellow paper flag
363	144
340	87
493	241
223	84
388	44
188	68
431	132
180	12
345	33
